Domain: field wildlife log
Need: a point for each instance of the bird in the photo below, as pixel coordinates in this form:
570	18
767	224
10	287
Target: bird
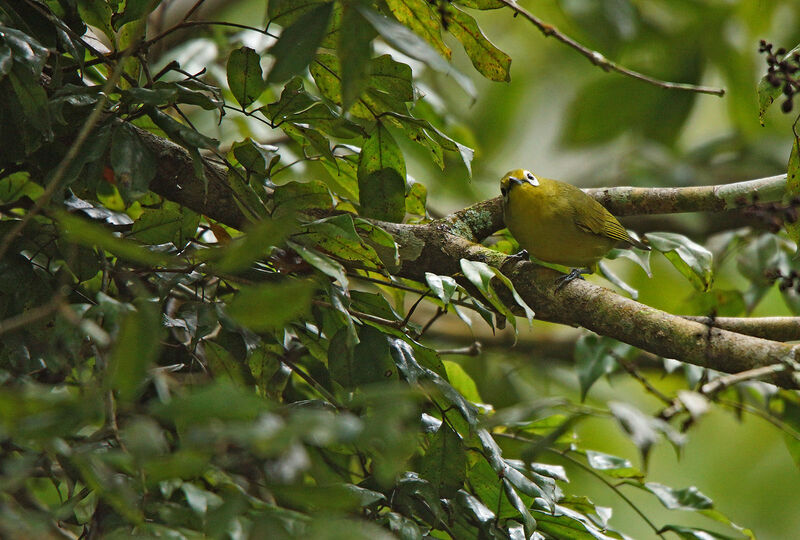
558	223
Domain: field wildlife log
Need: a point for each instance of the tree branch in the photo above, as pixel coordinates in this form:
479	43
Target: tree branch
604	63
440	245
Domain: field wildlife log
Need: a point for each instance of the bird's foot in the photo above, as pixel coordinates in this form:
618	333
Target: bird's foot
521	255
575	273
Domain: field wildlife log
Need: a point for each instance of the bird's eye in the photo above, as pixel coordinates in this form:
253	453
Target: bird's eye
530	176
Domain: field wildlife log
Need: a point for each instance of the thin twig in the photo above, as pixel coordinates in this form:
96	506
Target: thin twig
472	350
604	63
721	383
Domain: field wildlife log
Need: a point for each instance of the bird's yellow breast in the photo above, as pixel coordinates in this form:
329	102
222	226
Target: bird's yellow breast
543	220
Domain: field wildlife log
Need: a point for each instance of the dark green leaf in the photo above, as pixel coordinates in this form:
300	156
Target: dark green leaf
254	244
33	101
256	306
368	363
181	133
91	234
6	60
133	163
255	157
379	152
444	463
157	226
285	12
298	43
245	78
136	348
382	195
324	264
295	197
595	356
793	189
490	61
354	51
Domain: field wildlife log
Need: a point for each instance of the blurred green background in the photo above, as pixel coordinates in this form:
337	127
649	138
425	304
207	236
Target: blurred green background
564	118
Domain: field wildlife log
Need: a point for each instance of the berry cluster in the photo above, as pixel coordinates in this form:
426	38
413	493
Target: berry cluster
773	215
781	70
786	281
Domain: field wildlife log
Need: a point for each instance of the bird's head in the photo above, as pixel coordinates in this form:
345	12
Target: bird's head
514	178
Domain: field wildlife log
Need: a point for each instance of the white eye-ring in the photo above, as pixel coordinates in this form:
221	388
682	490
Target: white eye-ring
532	179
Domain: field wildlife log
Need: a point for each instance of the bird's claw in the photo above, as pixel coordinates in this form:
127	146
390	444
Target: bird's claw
575	273
521	255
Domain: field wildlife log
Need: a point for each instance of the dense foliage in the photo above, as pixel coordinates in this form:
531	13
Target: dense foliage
194	345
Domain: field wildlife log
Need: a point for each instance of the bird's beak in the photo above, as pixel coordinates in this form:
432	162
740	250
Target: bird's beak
516	181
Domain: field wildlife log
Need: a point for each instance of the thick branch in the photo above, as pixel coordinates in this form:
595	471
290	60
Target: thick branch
482	219
439	246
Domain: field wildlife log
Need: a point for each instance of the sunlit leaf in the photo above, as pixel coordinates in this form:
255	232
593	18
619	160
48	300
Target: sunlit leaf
689	258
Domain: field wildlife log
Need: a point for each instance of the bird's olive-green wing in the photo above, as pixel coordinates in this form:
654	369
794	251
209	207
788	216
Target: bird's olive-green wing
601	222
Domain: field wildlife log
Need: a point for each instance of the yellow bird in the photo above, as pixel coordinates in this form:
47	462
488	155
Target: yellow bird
558	223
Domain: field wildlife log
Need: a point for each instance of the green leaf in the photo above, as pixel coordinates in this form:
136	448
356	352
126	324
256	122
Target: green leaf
298	43
256	157
254	306
422	19
133	163
689	258
612	465
596	356
337	235
517	502
321	262
184	135
98	14
461	381
369	362
157	226
245	78
643	430
482	4
354	51
416	199
134	10
390	76
382	195
692	533
409	43
6	60
379	152
296	197
444	464
679	499
136	348
767	93
793	190
26	52
90	234
33	102
18	185
285	12
490	61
